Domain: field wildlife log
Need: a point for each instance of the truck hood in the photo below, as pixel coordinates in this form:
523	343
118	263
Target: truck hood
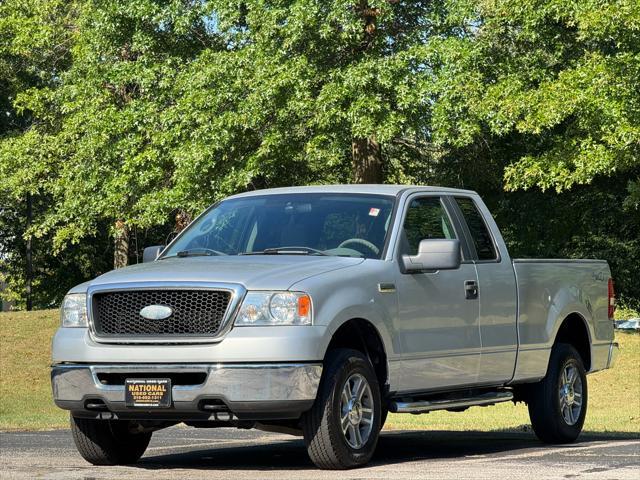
264	272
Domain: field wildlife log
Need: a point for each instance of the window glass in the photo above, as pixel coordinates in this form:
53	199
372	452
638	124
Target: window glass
336	224
426	219
479	231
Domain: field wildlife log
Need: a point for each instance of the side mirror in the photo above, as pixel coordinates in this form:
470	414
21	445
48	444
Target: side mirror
151	253
433	255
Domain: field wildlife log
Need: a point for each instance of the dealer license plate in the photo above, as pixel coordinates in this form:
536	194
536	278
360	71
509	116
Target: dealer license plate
147	392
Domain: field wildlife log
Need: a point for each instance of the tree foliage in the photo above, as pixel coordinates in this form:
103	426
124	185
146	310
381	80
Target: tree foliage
122	114
562	75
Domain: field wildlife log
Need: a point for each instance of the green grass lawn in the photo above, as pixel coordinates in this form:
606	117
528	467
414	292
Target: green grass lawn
26	403
25	356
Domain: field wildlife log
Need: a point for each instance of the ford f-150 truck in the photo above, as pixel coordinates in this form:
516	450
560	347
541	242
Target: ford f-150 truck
318	310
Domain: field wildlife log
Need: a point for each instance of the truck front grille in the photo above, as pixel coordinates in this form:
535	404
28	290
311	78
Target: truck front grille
196	313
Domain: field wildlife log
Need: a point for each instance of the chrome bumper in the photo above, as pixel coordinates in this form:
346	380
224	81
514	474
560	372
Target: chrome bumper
614	351
246	389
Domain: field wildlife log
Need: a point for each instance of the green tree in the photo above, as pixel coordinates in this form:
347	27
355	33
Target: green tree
171	105
126	115
305	91
561	76
543	96
35	38
90	147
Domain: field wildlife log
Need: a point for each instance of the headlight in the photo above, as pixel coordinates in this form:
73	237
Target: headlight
73	312
274	308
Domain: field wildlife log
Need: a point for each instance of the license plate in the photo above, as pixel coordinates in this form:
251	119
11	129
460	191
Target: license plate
147	392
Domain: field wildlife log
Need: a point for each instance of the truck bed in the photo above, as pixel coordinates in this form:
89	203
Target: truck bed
548	289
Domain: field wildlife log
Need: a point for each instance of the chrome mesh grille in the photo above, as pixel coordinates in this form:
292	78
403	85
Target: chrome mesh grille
195	312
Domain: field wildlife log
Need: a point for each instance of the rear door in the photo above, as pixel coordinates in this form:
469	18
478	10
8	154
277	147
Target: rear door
437	325
497	290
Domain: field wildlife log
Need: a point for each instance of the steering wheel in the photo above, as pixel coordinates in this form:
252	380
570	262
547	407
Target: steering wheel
361	241
207	229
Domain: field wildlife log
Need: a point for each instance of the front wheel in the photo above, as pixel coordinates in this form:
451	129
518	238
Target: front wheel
558	403
108	442
341	430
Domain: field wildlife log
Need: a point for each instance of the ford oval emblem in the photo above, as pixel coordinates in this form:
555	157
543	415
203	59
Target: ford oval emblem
156	312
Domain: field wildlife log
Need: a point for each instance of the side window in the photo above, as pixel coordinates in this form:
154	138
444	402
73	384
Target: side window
479	231
426	218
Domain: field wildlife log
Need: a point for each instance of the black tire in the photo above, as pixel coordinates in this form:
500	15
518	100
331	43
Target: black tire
545	410
326	444
383	415
108	442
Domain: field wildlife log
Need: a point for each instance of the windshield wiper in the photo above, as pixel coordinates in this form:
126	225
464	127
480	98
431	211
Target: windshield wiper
288	251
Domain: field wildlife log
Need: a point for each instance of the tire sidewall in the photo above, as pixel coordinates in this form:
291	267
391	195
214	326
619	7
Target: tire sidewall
107	442
355	363
567	355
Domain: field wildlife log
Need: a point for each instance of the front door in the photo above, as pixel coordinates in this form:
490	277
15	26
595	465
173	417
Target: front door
437	326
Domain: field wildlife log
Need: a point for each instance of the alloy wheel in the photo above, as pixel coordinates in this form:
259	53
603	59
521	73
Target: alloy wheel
570	394
356	411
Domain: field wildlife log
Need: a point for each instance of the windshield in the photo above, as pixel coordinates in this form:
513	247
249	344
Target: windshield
352	225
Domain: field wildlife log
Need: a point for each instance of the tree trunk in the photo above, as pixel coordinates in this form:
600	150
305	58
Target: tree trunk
367	160
121	245
29	259
183	219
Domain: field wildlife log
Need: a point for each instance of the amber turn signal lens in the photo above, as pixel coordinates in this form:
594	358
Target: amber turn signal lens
304	306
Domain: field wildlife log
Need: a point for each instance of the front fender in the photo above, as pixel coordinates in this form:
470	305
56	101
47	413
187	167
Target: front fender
353	294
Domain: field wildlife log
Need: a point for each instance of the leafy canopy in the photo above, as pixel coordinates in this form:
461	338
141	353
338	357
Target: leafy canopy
562	75
174	104
123	112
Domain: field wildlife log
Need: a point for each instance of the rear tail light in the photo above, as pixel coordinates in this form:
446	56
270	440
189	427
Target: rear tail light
612	299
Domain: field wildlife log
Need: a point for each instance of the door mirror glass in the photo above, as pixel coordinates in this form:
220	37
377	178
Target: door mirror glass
434	254
151	253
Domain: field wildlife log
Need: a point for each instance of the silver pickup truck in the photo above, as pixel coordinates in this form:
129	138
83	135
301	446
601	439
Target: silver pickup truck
318	310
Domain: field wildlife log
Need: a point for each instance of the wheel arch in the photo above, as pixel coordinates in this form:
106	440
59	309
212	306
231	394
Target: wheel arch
362	335
574	331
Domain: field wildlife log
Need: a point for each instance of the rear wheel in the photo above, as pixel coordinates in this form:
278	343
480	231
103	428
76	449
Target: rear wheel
341	430
108	442
558	403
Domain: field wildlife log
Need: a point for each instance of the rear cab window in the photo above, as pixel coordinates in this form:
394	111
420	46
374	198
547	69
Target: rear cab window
480	234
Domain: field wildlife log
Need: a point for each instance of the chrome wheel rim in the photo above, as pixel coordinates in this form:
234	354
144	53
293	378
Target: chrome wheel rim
570	394
356	411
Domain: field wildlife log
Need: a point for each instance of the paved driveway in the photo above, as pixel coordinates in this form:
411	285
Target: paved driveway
186	453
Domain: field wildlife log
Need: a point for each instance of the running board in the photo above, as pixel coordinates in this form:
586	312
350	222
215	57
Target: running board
422	406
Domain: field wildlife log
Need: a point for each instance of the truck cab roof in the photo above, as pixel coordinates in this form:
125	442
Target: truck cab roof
393	190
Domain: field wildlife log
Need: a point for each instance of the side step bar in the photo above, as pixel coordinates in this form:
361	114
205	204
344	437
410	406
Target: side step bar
422	406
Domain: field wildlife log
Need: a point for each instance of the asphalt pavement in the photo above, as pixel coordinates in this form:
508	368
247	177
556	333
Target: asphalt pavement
188	453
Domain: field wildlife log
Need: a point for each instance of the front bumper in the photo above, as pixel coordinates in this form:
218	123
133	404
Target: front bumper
245	391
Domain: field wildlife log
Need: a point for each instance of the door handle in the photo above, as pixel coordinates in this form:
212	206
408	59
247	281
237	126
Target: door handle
386	287
470	289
